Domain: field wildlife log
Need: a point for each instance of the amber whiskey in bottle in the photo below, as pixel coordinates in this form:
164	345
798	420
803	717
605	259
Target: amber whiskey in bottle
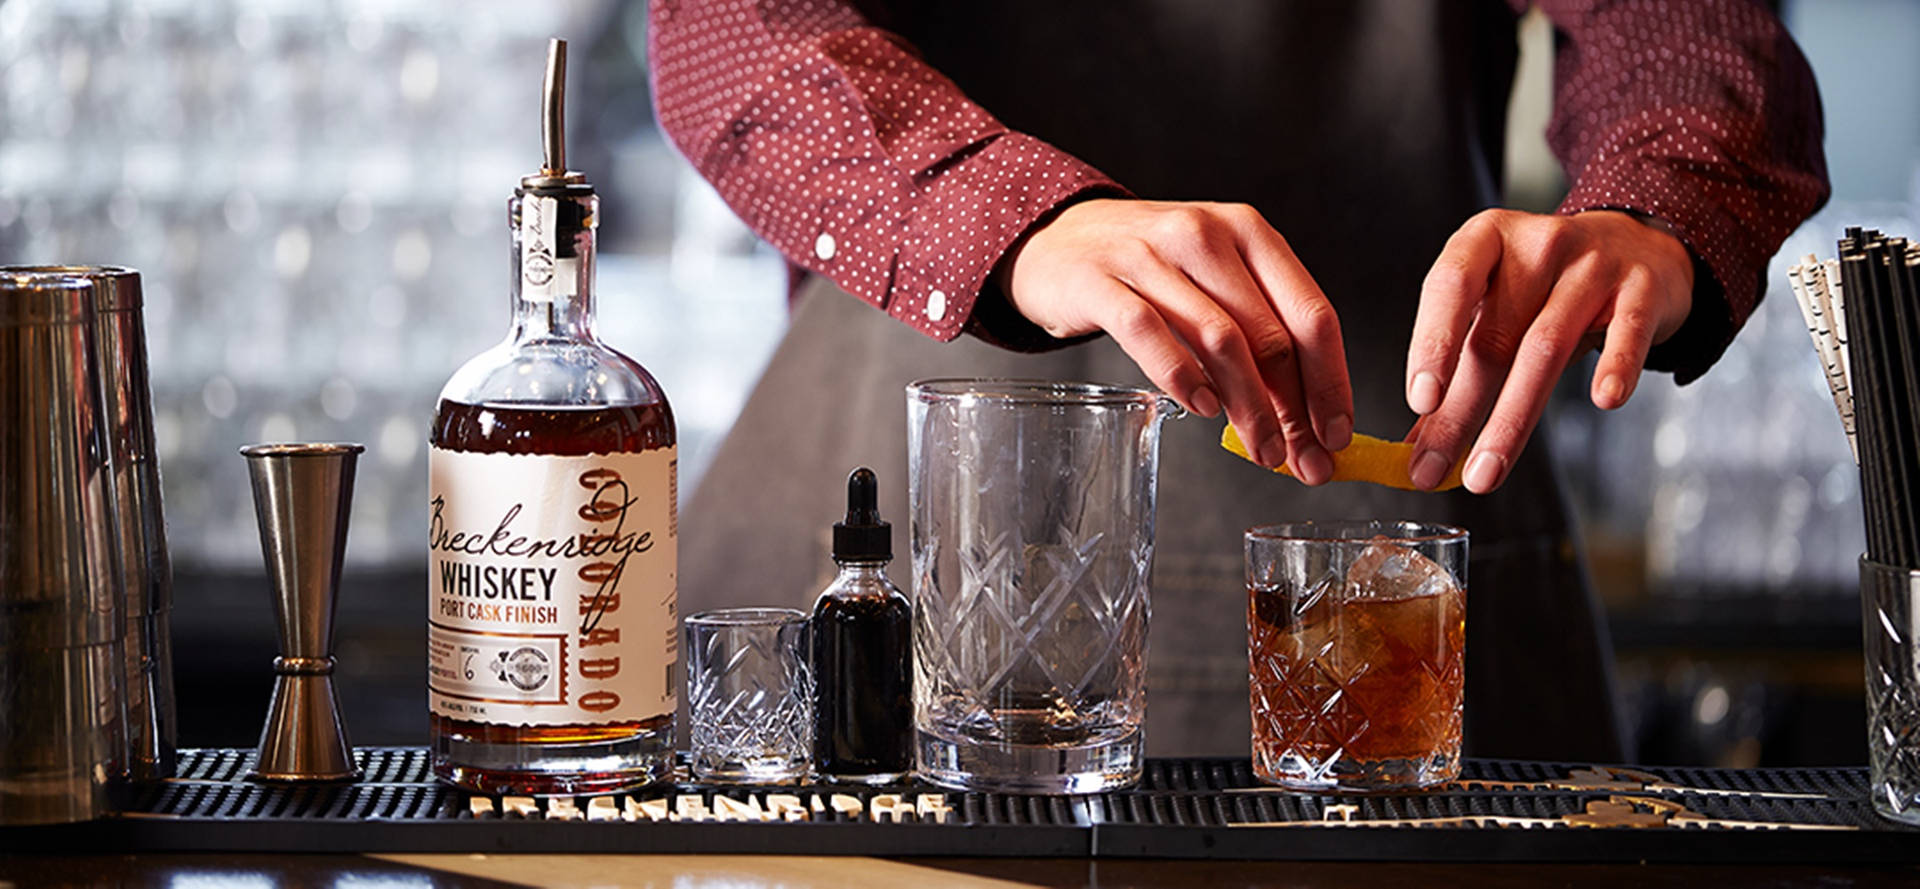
551	626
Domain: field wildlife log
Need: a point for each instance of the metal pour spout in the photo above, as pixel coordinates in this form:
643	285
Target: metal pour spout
553	125
553	110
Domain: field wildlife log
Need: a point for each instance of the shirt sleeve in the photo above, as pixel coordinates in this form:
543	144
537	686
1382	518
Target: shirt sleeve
843	149
1702	114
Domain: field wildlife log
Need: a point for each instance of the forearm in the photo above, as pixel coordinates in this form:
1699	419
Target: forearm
1705	118
841	148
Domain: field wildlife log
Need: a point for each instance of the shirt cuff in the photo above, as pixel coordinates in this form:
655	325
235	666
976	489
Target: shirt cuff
966	220
996	322
1727	269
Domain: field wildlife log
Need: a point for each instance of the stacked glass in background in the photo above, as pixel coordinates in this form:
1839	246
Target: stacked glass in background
1723	523
313	193
1737	485
1724	518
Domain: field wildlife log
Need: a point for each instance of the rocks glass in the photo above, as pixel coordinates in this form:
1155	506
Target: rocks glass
749	695
1890	600
1356	635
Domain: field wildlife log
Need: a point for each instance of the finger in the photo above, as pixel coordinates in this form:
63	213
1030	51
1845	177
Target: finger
1145	337
1487	353
1318	349
1224	347
1223	276
1413	432
1444	433
1629	336
1306	454
1453	289
1551	342
1591	341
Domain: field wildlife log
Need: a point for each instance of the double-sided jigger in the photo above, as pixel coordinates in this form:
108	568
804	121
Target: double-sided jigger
301	495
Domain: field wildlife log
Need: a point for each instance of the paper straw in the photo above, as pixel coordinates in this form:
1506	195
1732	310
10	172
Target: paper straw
1863	313
1869	419
1799	286
1829	324
1836	297
1864	374
1824	345
1901	381
1875	384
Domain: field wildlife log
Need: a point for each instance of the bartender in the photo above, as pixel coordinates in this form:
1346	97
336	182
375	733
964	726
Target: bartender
1279	211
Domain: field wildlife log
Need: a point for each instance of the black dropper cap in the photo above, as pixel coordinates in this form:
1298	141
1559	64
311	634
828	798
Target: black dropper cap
862	536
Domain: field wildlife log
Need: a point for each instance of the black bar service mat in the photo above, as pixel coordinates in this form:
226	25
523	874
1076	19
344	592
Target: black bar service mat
1184	808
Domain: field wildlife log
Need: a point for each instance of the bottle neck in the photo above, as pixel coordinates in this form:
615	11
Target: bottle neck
554	242
863	570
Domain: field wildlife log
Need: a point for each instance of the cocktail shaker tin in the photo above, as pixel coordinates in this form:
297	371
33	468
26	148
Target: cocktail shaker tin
62	648
86	679
140	525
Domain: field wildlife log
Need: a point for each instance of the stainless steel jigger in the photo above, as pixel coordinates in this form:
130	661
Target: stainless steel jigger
301	495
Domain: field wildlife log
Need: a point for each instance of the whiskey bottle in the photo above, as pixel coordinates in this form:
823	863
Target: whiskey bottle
551	630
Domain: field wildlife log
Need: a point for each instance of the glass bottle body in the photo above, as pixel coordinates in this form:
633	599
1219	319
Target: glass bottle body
552	542
863	673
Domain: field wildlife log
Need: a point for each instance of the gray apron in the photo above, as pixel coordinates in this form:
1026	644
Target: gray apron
757	532
1366	132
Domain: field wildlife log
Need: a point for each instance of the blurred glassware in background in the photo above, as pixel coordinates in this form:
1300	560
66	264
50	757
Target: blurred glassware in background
313	194
312	191
1740	483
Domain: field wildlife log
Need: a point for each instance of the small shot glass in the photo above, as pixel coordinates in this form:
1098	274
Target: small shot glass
750	695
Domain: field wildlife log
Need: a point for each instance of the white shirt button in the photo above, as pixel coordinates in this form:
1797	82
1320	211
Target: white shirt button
936	306
824	246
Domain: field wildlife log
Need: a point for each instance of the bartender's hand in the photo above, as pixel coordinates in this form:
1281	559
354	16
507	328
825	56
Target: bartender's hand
1212	305
1513	298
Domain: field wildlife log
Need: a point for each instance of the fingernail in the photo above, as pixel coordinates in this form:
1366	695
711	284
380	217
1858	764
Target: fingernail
1612	391
1424	395
1205	403
1314	466
1429	469
1275	453
1262	452
1339	433
1483	472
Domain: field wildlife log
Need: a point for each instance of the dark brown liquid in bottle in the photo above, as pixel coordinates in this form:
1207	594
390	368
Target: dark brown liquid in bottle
863	660
552	429
565	432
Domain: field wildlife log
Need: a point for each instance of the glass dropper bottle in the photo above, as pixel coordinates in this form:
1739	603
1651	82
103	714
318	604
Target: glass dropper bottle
862	652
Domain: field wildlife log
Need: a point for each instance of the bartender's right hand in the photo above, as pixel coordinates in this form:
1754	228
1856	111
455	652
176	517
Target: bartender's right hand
1212	305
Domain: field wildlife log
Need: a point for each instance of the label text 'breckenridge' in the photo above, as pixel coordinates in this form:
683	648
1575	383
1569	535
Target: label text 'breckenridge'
502	541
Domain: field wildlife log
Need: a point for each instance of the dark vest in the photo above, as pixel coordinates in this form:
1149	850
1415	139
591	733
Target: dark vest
1366	132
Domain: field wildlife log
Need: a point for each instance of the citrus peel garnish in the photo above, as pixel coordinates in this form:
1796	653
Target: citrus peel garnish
1367	459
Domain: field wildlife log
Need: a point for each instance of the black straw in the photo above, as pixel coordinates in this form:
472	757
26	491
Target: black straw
1879	276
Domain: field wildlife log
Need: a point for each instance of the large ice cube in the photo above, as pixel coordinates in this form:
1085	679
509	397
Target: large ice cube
1388	571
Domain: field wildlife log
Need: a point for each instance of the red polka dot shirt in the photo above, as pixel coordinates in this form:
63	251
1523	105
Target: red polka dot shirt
844	150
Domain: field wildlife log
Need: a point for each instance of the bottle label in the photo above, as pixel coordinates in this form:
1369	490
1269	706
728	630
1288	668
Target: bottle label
552	587
544	275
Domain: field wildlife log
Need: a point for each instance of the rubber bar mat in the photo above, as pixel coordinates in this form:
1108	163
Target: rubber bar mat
1183	808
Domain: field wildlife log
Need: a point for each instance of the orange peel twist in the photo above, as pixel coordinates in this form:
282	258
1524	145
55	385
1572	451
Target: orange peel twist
1367	459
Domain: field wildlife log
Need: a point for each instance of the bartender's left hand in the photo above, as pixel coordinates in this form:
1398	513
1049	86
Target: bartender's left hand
1512	300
